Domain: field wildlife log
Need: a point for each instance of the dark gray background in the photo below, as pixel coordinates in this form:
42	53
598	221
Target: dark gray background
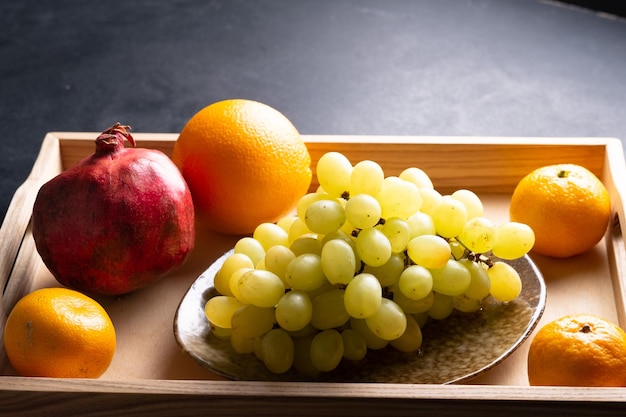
397	67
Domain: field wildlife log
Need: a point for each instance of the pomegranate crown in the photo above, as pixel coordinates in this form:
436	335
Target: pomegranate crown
115	135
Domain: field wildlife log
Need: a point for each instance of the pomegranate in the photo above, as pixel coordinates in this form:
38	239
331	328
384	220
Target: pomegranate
117	221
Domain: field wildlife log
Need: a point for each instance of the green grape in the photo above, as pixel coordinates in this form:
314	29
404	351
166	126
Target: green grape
429	251
306	244
241	343
415	282
285	222
354	346
306	200
338	234
398	232
233	262
221	333
363	296
372	341
366	178
453	279
411	339
513	240
305	272
294	310
338	261
219	310
442	307
458	251
389	321
389	272
373	247
417	177
251	247
326	350
363	211
250	321
410	306
421	223
333	172
478	235
276	260
449	216
480	284
302	356
325	216
473	204
465	304
399	198
430	200
297	229
506	283
260	288
270	234
329	310
277	351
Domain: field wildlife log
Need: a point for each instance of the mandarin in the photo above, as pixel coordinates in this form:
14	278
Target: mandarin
567	207
59	333
578	350
245	164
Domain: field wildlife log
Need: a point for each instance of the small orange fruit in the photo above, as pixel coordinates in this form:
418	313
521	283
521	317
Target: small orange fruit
567	207
245	164
60	333
578	350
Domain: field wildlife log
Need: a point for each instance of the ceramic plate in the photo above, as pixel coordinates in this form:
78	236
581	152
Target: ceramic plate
455	349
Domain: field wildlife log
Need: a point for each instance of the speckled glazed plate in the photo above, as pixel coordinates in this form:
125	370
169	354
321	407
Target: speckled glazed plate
455	349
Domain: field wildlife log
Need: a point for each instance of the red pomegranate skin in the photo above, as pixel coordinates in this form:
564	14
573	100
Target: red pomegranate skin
117	221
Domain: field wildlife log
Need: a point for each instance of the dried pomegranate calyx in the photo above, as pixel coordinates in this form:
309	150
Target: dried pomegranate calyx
113	137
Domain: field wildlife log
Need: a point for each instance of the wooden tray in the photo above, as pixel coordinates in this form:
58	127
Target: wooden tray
151	375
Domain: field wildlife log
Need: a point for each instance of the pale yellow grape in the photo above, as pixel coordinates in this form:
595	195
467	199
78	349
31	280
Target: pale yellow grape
389	272
354	346
506	284
338	234
251	321
398	232
473	204
389	321
417	176
232	263
363	296
429	251
480	284
449	216
219	310
333	172
442	307
399	198
430	200
302	356
366	178
363	211
294	310
270	234
325	216
513	240
372	341
465	304
415	282
338	261
478	235
329	310
421	223
306	244
260	287
373	247
251	247
277	351
297	229
411	339
286	222
453	279
241	343
326	350
276	260
410	306
306	200
457	250
305	272
221	333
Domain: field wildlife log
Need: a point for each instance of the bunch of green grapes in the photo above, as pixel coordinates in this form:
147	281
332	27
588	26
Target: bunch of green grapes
364	262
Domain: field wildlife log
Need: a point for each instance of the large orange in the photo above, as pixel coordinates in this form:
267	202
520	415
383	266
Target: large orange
61	333
567	207
245	164
578	350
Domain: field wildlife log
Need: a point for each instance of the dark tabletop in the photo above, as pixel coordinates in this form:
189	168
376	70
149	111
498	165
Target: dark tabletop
447	67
